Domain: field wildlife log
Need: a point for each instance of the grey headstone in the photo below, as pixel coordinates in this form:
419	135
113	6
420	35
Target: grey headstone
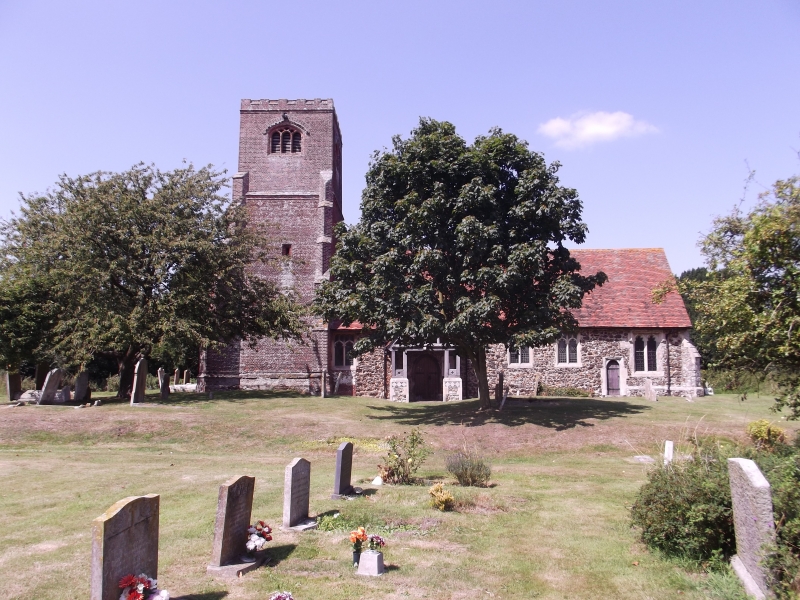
344	468
63	396
234	508
669	449
371	563
398	389
124	542
42	369
50	387
753	522
177	378
649	392
296	489
81	386
163	384
13	386
186	377
139	382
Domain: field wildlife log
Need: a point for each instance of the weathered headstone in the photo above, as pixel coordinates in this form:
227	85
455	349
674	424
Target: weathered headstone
649	392
398	389
186	377
42	369
753	522
139	382
344	468
63	396
163	384
296	490
13	386
50	387
451	389
177	378
124	542
234	509
669	450
82	387
371	563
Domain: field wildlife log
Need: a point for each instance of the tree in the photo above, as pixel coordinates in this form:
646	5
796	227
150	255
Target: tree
748	308
461	244
139	263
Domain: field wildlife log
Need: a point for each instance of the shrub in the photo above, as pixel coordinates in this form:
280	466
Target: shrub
569	392
112	383
468	468
28	383
406	455
684	509
441	499
765	435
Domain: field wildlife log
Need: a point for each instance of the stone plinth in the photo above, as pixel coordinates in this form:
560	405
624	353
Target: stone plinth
753	522
296	490
451	389
398	389
50	387
139	382
124	542
371	563
344	467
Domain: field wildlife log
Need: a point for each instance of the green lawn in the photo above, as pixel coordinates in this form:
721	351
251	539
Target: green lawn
554	523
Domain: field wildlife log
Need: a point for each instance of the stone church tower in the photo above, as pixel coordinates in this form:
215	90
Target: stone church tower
290	166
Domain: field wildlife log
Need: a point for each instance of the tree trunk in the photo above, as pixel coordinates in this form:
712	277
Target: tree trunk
479	357
127	365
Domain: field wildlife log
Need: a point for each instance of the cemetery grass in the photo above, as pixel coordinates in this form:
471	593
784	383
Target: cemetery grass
554	523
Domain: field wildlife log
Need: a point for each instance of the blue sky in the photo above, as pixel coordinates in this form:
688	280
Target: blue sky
655	109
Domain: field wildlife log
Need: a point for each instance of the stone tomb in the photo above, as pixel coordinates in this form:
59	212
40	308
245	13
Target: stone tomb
234	510
344	467
139	382
124	542
50	387
82	387
296	489
751	498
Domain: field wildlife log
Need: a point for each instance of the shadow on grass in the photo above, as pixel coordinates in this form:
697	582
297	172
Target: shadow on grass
553	413
203	596
188	398
277	554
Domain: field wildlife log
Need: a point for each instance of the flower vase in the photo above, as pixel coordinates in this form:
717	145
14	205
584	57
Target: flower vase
356	557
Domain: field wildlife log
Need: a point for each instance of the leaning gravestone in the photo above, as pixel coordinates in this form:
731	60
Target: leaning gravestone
81	387
163	384
124	542
139	382
234	509
751	498
296	489
13	386
344	468
50	387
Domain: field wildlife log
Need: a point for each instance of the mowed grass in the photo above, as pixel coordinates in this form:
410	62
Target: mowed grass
553	524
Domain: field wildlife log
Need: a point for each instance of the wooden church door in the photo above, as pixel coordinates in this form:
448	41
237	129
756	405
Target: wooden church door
612	378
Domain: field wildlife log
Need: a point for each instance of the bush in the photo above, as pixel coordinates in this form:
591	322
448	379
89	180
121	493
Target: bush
684	509
468	468
406	455
441	499
569	392
112	383
765	435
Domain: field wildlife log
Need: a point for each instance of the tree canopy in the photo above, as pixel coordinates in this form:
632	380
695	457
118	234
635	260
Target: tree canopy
748	306
138	263
461	244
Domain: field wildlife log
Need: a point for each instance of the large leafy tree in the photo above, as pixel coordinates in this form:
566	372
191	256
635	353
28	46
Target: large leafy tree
748	307
139	263
462	244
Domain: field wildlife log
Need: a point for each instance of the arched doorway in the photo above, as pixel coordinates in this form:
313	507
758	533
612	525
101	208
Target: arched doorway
427	378
612	378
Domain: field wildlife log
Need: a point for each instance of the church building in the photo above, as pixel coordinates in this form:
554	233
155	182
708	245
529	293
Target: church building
289	178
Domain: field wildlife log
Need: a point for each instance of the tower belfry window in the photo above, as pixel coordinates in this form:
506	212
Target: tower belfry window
286	141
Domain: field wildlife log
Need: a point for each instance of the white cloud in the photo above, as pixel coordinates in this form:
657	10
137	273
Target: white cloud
584	129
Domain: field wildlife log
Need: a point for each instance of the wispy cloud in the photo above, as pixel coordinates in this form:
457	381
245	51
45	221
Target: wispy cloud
584	129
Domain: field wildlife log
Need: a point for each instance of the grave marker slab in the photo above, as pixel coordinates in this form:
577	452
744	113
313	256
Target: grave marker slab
649	392
344	467
751	498
82	387
13	386
451	391
234	511
296	489
50	387
398	389
177	378
669	449
124	542
163	384
63	395
139	382
186	377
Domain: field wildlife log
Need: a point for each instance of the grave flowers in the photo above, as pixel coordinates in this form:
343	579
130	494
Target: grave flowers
371	561
282	596
141	587
375	542
357	538
258	535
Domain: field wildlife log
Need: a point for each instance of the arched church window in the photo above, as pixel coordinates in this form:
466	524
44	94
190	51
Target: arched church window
275	146
296	141
343	351
285	141
638	354
573	350
562	351
651	354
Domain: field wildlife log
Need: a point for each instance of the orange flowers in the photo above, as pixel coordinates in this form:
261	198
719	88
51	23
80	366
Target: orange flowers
358	537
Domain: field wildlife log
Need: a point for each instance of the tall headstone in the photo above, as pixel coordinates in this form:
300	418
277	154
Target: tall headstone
296	490
50	387
649	392
163	384
753	522
42	369
344	467
124	542
234	510
139	382
669	449
64	395
13	386
186	377
177	378
82	387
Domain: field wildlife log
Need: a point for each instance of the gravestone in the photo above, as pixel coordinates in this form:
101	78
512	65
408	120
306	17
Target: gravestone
344	468
163	383
323	389
50	387
82	387
124	542
63	396
296	489
751	499
371	563
13	386
186	377
398	389
451	389
234	510
42	369
668	451
139	382
649	392
177	378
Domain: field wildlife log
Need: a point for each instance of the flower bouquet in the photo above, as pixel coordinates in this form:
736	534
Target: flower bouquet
282	596
357	538
257	537
376	542
141	587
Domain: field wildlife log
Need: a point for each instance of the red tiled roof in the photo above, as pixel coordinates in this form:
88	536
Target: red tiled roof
626	299
337	325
